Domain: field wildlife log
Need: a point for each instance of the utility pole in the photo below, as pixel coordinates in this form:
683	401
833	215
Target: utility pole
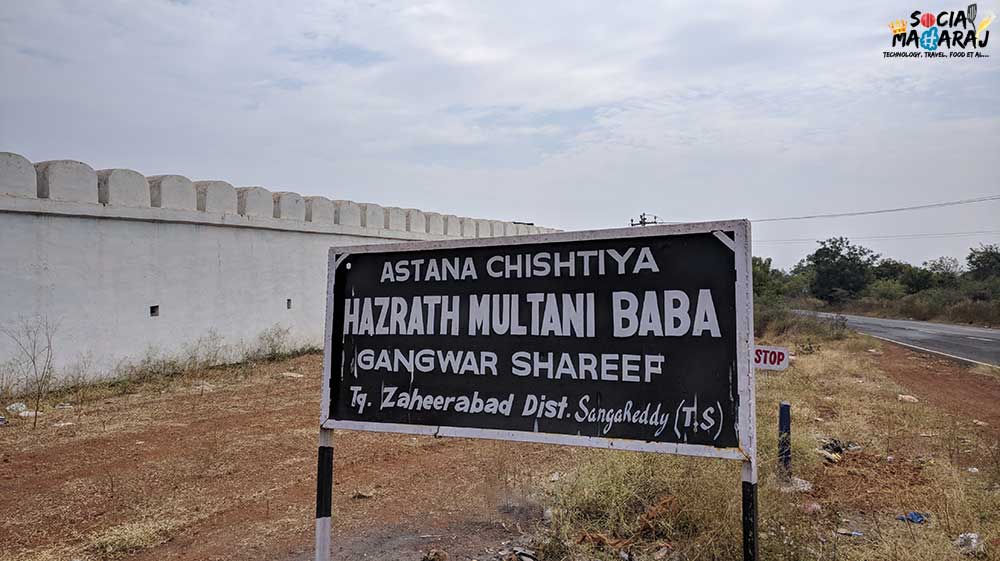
646	220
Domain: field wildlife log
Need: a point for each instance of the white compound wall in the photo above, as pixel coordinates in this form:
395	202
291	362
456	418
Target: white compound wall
127	266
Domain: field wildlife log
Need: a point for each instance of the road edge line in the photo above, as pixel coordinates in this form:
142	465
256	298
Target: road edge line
956	357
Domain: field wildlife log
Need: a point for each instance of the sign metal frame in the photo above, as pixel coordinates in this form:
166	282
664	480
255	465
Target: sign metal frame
746	428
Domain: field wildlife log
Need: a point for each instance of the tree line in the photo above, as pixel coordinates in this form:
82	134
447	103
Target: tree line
843	276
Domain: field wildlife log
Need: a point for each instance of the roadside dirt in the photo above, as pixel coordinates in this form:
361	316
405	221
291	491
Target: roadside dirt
946	384
222	466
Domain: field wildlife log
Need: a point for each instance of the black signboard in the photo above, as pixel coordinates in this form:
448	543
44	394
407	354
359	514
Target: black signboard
634	339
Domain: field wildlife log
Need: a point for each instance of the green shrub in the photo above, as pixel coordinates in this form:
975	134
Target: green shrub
929	304
886	289
981	290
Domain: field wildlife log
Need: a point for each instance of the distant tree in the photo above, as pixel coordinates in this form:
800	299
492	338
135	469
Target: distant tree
984	262
916	279
889	269
800	279
768	283
803	267
798	284
944	265
842	269
945	270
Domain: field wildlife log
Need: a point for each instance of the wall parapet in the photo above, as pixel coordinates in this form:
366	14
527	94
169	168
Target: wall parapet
71	188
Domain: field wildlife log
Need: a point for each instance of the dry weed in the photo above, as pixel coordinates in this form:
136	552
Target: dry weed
127	538
618	501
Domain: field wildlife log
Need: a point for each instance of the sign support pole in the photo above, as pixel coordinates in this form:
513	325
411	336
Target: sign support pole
785	441
748	410
324	494
749	511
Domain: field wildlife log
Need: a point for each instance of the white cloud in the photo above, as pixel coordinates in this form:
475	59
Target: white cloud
575	115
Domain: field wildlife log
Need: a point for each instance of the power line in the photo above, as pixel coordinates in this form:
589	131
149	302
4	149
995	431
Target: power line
925	235
882	211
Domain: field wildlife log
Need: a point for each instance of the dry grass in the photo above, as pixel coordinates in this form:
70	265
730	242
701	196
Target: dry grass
127	538
984	370
950	306
115	542
54	554
913	457
118	512
155	372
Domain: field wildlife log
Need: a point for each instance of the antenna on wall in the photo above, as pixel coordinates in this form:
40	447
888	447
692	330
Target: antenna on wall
646	220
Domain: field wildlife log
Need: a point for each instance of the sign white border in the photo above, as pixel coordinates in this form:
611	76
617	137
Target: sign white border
746	422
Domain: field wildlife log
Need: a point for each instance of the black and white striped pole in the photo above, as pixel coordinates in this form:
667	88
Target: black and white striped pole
785	441
749	511
324	494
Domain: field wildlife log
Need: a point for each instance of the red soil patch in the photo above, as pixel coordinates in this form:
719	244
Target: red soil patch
946	384
231	471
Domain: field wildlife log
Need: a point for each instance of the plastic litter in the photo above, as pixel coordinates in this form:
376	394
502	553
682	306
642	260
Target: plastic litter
359	494
17	407
548	514
969	543
524	554
834	446
913	517
436	555
662	553
831	449
796	485
829	456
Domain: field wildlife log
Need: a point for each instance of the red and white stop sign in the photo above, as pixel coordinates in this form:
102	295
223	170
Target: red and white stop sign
770	358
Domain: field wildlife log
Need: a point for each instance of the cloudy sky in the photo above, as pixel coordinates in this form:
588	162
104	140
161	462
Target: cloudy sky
573	115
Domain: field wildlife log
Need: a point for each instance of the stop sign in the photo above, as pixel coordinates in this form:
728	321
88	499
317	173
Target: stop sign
770	358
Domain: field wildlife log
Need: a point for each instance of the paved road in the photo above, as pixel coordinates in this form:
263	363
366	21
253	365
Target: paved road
975	344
